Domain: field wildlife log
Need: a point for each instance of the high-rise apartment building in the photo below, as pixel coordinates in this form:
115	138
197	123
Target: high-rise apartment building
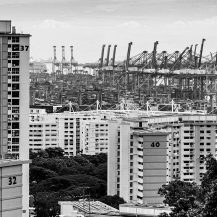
75	132
193	137
147	152
14	102
94	137
138	161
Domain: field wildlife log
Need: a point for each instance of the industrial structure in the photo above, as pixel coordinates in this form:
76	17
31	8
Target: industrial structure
186	76
180	75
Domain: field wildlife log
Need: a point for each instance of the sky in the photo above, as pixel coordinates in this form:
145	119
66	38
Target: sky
88	24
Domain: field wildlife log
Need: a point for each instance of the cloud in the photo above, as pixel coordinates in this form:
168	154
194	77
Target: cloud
52	24
8	2
209	22
106	8
131	24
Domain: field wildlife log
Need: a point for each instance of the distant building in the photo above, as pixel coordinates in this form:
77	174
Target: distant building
75	132
94	137
64	130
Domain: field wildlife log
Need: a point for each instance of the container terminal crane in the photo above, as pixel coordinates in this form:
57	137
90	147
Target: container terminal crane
181	75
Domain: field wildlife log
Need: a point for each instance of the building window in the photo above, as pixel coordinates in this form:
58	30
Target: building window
15	148
15	86
15	125
15	63
15	47
15	101
15	55
15	39
15	94
15	78
15	70
15	140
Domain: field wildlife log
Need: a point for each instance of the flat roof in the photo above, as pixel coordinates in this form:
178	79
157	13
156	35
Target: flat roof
15	34
150	132
9	162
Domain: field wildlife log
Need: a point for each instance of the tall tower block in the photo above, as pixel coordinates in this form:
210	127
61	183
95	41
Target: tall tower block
14	106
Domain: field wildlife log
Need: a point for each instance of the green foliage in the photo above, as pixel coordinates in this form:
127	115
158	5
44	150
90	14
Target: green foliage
113	201
55	152
190	200
163	214
38	174
54	177
210	176
101	171
178	189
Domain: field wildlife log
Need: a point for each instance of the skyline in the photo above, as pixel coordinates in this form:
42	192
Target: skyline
88	24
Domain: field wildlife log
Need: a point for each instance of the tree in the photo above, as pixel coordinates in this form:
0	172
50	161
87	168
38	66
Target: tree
178	189
37	174
210	206
190	200
55	152
113	201
46	203
41	153
210	176
54	177
101	171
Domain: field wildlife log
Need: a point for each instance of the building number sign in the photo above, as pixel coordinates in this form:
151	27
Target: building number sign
24	48
12	180
155	144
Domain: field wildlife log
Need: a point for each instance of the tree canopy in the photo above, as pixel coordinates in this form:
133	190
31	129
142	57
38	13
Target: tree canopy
189	199
54	177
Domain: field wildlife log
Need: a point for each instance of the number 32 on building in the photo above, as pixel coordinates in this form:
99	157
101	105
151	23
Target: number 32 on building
155	144
12	180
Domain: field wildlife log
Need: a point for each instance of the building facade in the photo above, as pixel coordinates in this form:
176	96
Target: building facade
94	137
147	152
65	130
14	102
138	162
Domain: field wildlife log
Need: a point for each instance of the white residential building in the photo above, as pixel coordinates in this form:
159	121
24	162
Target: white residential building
149	151
65	130
14	110
94	137
138	162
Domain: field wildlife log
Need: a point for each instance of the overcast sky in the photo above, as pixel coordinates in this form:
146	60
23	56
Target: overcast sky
87	24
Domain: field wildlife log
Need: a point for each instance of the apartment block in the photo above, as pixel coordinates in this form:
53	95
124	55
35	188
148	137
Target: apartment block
94	137
70	131
138	162
146	152
14	130
193	138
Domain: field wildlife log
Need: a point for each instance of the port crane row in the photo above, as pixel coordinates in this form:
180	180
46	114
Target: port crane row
183	75
186	74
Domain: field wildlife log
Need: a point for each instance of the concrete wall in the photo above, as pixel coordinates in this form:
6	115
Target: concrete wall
154	166
125	161
11	195
24	121
112	158
3	95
